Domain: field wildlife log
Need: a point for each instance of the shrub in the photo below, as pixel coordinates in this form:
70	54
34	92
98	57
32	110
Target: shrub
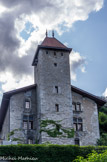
47	153
93	157
103	140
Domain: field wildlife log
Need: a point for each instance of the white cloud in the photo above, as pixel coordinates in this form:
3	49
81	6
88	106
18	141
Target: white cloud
76	62
9	82
2	9
17	53
105	93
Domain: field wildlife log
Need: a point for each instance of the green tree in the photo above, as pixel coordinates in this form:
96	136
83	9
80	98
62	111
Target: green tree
103	122
103	126
103	140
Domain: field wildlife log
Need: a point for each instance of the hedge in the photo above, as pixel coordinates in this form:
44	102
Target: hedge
46	153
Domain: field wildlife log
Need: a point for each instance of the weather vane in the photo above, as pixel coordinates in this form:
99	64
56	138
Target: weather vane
46	33
53	33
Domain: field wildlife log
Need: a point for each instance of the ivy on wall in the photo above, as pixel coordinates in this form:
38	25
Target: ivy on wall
10	134
55	129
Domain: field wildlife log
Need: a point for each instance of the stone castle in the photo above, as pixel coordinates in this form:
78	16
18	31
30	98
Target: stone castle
51	99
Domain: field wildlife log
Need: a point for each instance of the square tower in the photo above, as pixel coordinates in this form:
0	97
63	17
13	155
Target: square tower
54	101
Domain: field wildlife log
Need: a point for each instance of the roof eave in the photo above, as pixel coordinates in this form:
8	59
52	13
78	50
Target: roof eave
6	100
98	100
51	48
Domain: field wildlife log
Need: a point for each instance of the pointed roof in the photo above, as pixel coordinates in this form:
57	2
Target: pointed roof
52	44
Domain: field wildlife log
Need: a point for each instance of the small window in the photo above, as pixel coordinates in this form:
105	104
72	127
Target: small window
75	127
55	64
30	141
62	54
27	104
78	125
31	118
46	52
79	120
56	89
25	117
74	106
74	120
57	107
54	53
25	124
78	107
77	142
30	124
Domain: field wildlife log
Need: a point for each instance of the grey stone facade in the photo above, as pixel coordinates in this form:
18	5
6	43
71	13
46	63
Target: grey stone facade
89	116
51	98
15	117
47	77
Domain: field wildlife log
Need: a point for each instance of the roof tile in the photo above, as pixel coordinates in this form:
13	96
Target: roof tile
52	42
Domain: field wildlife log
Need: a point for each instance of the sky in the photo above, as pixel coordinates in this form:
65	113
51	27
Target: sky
79	24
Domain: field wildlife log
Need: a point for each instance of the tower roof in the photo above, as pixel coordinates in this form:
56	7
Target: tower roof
52	44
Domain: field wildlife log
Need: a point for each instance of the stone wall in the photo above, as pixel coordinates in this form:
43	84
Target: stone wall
89	114
47	76
6	125
17	111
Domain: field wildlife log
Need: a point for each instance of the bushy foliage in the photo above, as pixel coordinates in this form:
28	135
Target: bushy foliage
103	126
103	140
103	109
103	122
47	153
93	157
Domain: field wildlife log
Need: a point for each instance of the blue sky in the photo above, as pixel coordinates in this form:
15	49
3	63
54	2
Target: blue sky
80	24
89	38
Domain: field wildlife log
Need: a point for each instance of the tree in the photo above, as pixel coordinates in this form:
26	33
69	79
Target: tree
103	126
102	140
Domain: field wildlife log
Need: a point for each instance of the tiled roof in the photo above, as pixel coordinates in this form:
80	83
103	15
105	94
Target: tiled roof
52	42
